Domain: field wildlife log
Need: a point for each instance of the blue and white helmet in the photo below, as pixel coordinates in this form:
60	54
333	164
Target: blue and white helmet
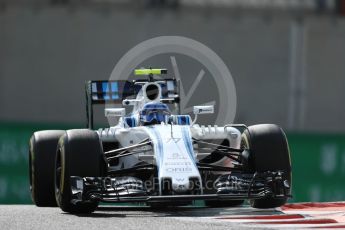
154	113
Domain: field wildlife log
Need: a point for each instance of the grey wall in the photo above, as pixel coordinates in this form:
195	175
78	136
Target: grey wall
47	53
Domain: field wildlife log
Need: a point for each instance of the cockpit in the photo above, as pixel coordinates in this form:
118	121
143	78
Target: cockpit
154	113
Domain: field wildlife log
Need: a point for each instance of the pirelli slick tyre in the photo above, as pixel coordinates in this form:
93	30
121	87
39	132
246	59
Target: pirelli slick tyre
79	153
268	151
42	151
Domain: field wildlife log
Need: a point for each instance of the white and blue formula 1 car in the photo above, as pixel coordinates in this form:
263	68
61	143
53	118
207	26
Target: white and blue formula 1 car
152	156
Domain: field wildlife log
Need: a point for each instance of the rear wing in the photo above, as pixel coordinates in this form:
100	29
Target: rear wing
114	92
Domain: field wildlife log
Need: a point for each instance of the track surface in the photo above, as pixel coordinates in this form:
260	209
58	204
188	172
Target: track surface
124	218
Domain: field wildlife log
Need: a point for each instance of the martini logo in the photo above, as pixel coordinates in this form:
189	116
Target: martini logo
176	156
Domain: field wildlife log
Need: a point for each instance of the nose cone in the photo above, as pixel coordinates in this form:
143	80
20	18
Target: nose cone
180	184
174	156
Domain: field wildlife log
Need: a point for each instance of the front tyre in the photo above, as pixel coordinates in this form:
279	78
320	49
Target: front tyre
79	153
269	151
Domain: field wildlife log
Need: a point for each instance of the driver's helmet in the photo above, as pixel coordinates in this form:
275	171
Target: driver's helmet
154	113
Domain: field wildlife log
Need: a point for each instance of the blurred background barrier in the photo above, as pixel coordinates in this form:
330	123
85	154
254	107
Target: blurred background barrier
286	58
318	164
14	161
291	59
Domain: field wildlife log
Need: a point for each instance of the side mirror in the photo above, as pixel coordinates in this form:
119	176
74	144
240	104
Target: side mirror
115	112
203	109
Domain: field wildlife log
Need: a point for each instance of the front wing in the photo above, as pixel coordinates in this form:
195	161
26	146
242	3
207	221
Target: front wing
234	186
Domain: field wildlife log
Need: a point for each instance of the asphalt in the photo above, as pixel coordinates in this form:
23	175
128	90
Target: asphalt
124	218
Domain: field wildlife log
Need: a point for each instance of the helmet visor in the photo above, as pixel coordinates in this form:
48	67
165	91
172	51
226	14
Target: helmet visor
156	115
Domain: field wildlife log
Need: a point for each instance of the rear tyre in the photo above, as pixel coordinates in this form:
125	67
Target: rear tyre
223	204
42	151
79	153
268	151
